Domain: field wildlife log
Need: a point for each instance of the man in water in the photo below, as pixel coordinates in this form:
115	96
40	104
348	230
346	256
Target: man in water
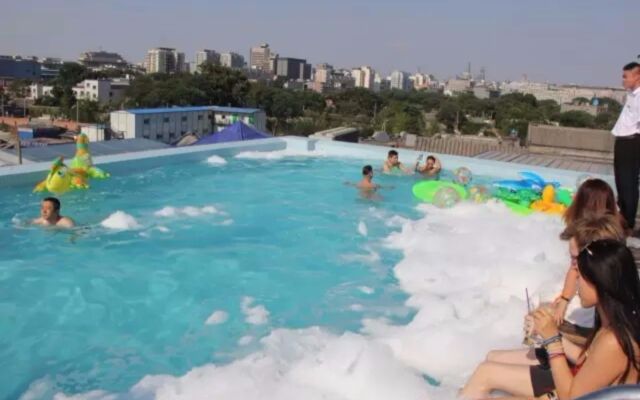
367	179
393	163
431	167
50	215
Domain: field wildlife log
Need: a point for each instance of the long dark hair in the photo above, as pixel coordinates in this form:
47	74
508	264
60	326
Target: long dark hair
609	266
594	196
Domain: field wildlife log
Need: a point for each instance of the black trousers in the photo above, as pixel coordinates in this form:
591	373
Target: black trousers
626	166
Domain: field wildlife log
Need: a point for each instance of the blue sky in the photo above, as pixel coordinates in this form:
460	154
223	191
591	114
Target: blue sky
565	41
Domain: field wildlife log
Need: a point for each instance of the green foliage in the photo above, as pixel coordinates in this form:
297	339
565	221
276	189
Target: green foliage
450	115
213	85
576	119
605	120
580	101
401	116
5	127
472	128
19	88
611	105
357	101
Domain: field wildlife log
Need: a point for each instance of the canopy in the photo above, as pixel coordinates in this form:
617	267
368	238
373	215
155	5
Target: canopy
233	133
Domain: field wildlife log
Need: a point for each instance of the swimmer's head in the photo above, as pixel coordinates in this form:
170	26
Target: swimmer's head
431	161
392	156
50	208
367	170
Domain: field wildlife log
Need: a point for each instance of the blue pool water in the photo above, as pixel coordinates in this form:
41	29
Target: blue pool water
102	308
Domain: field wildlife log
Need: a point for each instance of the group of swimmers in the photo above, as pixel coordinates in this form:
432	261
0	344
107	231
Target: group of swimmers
566	361
430	169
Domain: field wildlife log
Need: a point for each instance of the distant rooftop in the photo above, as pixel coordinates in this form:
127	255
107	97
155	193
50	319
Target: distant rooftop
105	148
221	109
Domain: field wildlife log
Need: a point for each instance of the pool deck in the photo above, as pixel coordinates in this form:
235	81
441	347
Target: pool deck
550	161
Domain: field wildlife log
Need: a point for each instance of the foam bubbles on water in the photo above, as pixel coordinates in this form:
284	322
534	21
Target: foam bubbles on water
189	211
120	221
366	289
256	315
216	160
245	340
217	317
362	228
356	307
310	364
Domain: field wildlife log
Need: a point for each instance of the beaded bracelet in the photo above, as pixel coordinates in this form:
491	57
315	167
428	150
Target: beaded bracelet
550	340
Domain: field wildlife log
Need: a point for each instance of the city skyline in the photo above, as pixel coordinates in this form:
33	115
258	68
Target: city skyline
578	42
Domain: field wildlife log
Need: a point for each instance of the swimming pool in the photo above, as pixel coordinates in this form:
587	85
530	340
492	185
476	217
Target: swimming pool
260	275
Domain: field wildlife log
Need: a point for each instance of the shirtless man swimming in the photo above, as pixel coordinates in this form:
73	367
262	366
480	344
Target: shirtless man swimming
50	215
431	167
367	179
393	163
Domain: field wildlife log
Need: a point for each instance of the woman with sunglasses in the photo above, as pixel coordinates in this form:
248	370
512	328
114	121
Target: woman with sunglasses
607	280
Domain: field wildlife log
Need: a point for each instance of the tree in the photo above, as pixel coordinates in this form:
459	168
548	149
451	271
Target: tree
450	115
580	101
577	119
357	101
19	88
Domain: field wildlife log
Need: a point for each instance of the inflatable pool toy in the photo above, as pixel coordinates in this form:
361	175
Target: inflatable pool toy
479	194
547	203
82	163
523	197
463	176
61	179
426	190
529	181
517	208
446	197
564	196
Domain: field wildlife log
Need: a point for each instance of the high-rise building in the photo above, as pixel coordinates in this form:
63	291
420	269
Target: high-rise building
231	60
323	73
399	80
293	68
165	60
364	77
420	80
260	58
102	59
206	56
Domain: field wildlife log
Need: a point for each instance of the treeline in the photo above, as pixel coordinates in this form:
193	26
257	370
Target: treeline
304	112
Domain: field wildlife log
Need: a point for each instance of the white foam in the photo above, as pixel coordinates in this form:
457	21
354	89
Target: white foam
163	229
371	257
310	364
362	228
227	222
216	160
245	340
217	317
466	270
256	315
167	211
120	221
366	289
189	211
277	154
356	307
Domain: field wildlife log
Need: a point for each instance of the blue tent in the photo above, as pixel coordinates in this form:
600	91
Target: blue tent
233	133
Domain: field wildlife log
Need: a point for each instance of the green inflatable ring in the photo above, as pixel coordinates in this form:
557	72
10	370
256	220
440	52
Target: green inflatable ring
517	208
425	190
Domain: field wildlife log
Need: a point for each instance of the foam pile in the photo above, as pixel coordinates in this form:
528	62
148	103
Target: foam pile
120	221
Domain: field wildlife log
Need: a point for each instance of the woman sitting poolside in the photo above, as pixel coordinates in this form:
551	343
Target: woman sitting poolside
607	279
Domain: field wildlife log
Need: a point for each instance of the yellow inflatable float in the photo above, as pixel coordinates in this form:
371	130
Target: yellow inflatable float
547	203
61	178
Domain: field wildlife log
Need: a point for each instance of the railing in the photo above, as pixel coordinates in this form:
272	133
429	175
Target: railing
465	146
